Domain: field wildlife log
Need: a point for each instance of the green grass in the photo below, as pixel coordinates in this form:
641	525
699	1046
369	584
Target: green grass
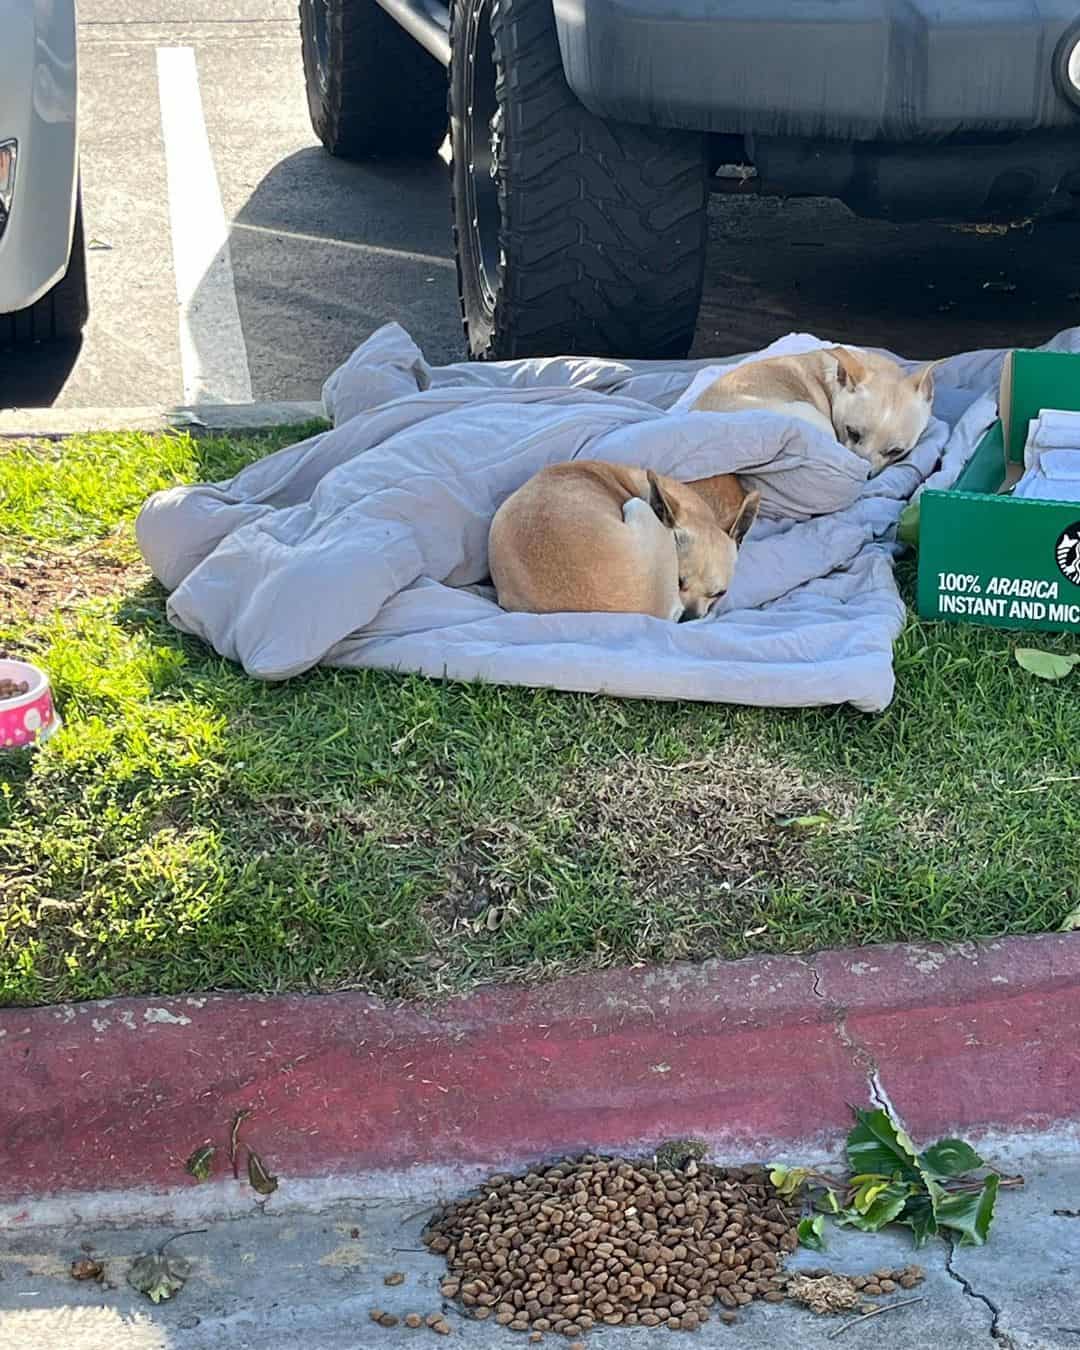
193	829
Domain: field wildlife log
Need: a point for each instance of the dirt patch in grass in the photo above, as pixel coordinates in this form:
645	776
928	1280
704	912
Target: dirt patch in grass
47	581
631	859
480	885
721	823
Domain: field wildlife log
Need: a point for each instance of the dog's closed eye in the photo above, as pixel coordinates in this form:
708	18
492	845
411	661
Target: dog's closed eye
854	436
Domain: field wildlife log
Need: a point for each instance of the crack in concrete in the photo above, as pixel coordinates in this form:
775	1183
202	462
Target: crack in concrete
861	1057
865	1062
879	1095
997	1334
815	977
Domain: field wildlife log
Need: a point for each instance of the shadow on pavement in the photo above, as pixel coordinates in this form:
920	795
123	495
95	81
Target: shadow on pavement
923	290
32	377
325	251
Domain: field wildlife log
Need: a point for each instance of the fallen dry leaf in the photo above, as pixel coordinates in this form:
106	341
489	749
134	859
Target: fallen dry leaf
201	1161
259	1177
87	1269
157	1276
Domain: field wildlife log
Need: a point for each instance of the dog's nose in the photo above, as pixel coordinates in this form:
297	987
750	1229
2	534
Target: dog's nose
687	615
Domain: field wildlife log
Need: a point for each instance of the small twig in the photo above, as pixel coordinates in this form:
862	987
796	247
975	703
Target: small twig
1039	787
888	1307
234	1136
826	1182
1004	1182
188	1232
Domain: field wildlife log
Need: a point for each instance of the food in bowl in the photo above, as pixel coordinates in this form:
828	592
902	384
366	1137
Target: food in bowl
27	713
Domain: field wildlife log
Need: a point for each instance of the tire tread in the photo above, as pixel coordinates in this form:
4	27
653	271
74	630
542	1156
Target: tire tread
385	95
604	225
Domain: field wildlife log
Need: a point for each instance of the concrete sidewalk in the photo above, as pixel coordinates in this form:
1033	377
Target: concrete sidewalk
271	1281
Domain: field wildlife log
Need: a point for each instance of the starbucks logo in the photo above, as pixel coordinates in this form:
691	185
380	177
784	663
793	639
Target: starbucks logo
1067	553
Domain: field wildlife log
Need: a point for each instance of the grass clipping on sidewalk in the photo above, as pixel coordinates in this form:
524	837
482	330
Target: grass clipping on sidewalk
191	828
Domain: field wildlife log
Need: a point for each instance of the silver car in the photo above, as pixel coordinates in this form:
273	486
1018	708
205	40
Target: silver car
42	258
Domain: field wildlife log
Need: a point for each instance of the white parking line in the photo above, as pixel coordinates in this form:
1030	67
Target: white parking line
379	250
213	354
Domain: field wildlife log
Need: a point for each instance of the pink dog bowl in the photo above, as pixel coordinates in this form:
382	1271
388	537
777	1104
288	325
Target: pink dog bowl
27	718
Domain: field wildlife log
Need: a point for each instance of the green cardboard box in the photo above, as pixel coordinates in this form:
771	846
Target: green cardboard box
986	557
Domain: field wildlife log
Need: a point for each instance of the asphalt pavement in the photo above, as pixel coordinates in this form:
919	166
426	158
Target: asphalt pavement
320	252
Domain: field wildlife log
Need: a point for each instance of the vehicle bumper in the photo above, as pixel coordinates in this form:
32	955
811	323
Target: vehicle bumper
38	82
842	70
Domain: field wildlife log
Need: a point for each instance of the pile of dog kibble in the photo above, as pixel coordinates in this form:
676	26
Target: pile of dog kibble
600	1241
13	688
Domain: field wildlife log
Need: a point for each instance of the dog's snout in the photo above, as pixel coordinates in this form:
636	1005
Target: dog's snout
686	616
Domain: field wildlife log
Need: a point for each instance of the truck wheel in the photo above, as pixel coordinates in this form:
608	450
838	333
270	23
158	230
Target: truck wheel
572	233
60	313
372	91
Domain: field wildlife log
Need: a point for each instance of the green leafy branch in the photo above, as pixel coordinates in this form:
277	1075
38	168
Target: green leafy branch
933	1192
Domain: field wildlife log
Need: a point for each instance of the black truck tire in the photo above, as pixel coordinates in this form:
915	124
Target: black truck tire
572	233
372	92
61	313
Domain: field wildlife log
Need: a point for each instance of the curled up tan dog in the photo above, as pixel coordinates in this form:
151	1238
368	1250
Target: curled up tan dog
866	401
589	536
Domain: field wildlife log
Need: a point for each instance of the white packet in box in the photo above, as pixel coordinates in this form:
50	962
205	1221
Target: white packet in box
1053	429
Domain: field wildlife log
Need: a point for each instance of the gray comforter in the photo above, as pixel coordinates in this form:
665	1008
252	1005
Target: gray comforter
367	544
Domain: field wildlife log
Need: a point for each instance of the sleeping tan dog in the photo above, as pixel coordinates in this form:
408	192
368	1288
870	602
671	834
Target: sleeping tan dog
865	401
590	536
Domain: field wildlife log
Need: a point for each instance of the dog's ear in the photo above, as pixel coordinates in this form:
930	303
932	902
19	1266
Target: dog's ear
850	371
665	509
747	514
923	380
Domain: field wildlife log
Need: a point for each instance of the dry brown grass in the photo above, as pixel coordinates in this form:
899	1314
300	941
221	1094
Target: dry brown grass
708	825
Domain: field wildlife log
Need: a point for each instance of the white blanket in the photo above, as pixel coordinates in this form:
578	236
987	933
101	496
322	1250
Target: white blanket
367	544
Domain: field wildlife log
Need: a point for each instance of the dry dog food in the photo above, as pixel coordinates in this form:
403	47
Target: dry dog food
604	1241
13	688
435	1321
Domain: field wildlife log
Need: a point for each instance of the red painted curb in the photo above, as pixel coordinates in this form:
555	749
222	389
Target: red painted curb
751	1055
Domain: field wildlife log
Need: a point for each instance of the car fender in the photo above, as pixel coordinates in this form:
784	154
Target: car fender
38	109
